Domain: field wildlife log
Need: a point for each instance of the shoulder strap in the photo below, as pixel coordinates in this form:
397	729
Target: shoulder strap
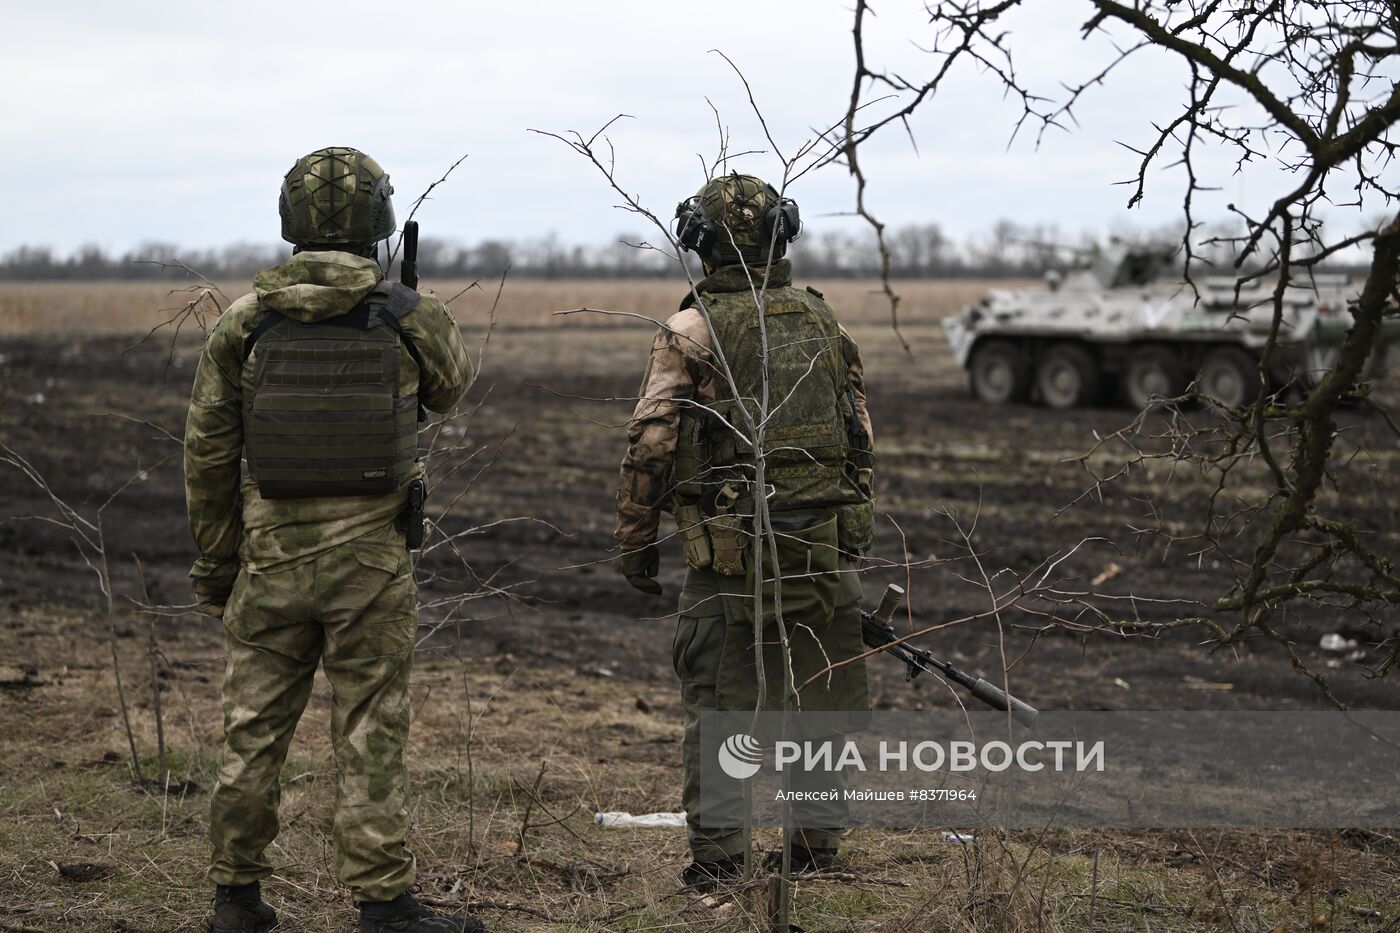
399	301
266	320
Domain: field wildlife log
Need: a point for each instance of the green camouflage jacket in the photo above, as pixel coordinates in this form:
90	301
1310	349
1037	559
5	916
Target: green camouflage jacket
231	523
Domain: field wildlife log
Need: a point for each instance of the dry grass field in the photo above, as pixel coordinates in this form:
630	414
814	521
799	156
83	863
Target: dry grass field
126	307
551	696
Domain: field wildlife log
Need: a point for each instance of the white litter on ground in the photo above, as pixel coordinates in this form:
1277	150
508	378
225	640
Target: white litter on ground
1334	642
617	819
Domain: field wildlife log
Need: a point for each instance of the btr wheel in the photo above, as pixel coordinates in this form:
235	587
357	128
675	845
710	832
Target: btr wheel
1153	372
1067	375
998	373
1230	376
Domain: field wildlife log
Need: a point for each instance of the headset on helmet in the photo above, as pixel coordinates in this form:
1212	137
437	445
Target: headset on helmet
698	232
694	231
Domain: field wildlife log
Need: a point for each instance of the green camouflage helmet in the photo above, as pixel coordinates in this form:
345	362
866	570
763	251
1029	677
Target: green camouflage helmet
336	197
732	219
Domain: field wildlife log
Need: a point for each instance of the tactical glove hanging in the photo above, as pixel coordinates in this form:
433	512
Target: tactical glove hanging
640	568
214	586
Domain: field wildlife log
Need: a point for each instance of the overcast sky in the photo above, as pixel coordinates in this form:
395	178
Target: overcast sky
138	121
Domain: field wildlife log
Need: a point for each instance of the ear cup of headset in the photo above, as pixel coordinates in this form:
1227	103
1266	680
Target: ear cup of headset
784	221
694	231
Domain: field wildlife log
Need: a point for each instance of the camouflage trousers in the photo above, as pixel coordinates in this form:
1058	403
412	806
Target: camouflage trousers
697	653
354	610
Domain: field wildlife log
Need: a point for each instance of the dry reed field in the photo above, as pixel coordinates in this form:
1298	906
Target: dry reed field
551	695
127	307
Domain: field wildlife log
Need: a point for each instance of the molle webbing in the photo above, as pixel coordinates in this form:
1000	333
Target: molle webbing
805	433
325	417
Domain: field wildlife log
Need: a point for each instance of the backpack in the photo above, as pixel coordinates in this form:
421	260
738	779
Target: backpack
325	417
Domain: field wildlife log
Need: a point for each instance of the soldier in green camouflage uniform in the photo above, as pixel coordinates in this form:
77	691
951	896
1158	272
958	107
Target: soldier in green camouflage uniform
686	457
302	549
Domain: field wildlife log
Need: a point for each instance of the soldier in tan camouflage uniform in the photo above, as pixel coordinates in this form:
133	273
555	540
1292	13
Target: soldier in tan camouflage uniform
316	379
687	455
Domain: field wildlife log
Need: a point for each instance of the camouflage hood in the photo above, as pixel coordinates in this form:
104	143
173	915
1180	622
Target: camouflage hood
313	286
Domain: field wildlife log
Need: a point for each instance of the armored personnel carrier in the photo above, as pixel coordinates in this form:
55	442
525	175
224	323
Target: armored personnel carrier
1122	321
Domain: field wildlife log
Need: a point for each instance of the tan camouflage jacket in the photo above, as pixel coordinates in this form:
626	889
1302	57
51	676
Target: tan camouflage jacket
231	523
681	368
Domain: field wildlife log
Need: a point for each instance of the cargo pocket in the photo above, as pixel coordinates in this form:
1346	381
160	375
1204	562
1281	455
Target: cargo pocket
680	644
237	619
855	528
695	649
807	562
388	596
380	555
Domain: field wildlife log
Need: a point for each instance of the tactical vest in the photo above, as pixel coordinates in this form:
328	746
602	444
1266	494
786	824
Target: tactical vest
806	437
325	417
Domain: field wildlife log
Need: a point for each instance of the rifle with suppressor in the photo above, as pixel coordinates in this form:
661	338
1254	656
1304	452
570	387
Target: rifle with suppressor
878	632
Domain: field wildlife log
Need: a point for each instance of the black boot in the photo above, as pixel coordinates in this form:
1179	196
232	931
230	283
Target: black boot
241	910
706	876
405	915
804	860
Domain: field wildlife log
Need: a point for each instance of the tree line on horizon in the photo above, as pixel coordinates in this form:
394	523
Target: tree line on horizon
1005	250
916	251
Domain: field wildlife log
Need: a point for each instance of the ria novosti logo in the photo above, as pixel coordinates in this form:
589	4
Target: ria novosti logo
740	756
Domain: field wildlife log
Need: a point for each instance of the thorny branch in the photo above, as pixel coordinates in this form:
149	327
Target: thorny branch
1309	87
